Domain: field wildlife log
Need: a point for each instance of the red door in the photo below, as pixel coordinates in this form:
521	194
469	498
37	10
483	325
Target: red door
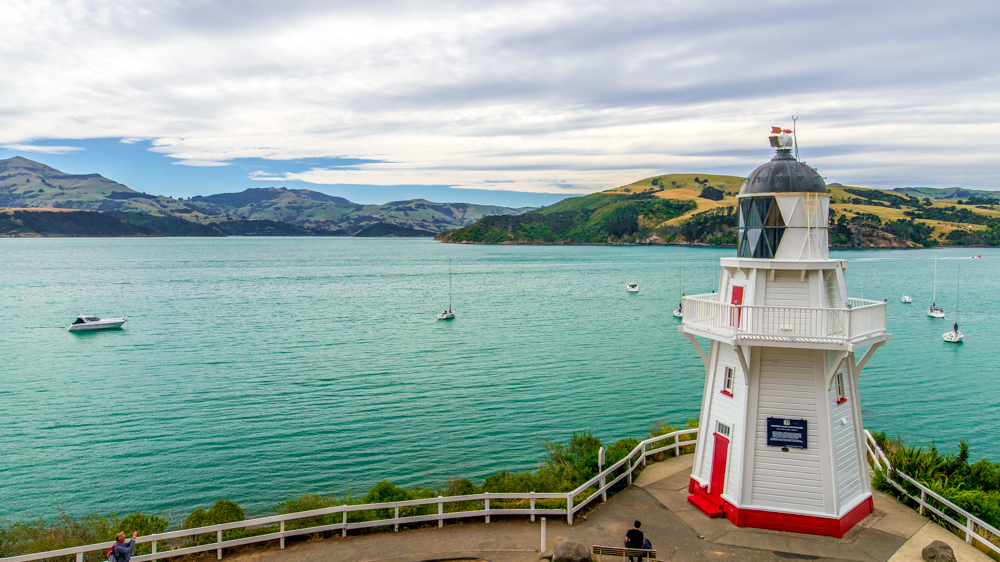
736	300
718	484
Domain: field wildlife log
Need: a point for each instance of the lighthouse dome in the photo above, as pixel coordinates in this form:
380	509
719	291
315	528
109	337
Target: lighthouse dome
783	174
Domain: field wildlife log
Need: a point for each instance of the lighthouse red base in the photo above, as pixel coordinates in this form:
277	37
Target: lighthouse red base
775	521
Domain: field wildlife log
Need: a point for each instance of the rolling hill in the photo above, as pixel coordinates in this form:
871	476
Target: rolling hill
28	184
700	209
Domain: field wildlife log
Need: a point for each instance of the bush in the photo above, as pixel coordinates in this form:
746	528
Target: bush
224	511
712	194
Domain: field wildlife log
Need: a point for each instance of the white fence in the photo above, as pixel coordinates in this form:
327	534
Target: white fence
974	528
861	319
603	481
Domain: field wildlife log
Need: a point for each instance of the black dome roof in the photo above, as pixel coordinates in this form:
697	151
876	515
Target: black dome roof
783	174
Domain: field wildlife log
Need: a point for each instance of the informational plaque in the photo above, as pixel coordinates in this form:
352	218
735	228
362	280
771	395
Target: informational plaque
783	432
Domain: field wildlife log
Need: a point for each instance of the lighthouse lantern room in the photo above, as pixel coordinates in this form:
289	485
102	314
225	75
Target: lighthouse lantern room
782	444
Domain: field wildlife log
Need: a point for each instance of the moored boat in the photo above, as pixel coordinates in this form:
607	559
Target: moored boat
632	287
86	322
907	299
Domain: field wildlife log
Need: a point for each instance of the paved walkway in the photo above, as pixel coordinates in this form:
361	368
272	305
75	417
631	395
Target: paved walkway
677	530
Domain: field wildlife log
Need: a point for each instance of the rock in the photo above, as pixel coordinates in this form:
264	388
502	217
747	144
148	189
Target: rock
937	551
571	551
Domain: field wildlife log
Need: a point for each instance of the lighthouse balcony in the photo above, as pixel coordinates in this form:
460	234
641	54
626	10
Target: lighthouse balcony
862	322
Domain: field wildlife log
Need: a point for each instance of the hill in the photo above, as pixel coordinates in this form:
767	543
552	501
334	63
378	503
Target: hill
34	223
383	229
28	184
700	209
946	192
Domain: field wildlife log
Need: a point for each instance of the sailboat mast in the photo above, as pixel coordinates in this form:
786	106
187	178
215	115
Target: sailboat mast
958	294
449	285
934	300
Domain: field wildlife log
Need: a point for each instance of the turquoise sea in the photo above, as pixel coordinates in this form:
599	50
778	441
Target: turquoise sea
255	369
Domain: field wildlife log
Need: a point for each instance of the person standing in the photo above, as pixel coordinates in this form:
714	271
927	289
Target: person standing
123	549
634	539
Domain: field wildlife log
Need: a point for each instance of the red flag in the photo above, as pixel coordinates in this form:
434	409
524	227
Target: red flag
775	130
789	131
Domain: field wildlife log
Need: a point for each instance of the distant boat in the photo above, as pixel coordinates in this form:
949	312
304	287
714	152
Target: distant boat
955	336
85	322
907	299
632	287
935	311
679	311
975	257
449	313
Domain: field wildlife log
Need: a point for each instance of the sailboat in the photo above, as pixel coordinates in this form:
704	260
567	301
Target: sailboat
679	311
935	311
955	336
448	314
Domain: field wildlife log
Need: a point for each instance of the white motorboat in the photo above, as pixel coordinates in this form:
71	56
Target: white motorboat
955	335
907	299
632	287
86	322
449	313
935	311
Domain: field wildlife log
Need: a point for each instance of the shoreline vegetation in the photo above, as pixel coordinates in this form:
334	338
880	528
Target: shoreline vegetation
565	467
973	486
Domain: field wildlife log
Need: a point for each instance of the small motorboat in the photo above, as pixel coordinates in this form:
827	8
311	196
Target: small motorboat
907	299
976	257
447	314
632	287
85	322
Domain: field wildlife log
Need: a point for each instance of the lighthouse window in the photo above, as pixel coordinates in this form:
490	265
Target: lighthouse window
722	429
841	397
760	227
727	381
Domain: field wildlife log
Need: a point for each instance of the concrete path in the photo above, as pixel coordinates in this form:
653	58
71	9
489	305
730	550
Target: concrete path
677	530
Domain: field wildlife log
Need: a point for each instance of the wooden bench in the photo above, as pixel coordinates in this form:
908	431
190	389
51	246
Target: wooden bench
625	553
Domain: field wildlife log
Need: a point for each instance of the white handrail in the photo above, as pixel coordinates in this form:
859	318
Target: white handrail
861	319
968	526
638	455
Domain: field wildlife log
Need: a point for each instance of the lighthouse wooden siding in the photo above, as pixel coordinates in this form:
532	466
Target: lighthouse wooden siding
782	321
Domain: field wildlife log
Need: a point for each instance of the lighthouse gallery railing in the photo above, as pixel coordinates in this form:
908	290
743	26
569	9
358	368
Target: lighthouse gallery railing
862	318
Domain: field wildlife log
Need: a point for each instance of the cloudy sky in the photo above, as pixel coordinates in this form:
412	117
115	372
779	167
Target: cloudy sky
481	99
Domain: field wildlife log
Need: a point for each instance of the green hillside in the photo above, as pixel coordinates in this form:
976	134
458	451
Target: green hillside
384	229
700	209
14	223
946	192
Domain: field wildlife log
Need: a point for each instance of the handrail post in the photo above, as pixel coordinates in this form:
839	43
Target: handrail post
968	529
644	455
154	550
629	471
343	531
532	507
396	517
486	505
79	555
440	513
923	500
543	535
282	530
219	551
569	509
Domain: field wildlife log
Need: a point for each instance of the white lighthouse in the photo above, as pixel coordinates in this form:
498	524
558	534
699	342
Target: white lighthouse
781	445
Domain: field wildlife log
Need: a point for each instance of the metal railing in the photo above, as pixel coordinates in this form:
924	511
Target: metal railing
670	442
861	319
974	528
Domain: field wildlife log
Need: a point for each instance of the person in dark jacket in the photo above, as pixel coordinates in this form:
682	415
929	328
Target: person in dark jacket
634	539
124	549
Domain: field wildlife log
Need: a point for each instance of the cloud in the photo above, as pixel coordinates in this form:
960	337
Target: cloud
41	149
200	163
520	95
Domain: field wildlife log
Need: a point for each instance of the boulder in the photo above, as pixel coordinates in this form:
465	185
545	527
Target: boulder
937	551
571	551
